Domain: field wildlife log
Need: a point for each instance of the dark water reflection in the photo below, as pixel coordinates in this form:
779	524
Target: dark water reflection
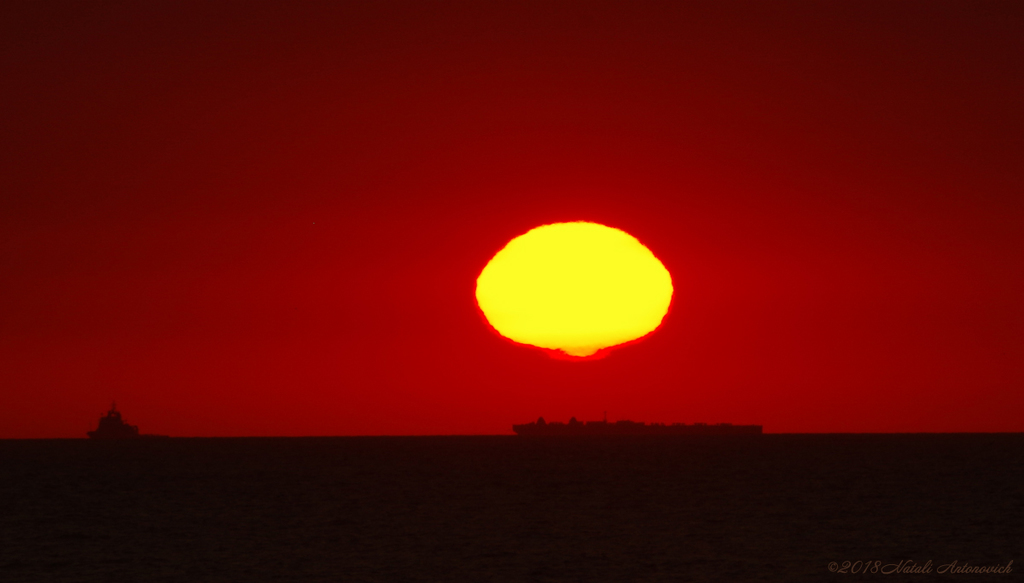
773	508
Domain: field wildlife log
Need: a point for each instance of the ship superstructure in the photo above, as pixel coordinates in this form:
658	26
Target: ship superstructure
625	427
113	426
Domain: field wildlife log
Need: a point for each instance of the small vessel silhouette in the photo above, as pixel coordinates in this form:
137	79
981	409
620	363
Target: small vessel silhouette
625	427
113	426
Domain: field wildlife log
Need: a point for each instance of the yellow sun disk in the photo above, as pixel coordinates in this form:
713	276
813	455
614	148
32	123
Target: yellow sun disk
575	287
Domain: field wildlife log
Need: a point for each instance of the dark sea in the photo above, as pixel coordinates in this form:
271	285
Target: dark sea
505	508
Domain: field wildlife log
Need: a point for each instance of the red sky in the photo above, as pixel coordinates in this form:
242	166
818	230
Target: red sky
268	219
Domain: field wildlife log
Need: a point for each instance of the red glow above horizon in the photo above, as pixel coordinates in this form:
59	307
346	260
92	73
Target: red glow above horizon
271	221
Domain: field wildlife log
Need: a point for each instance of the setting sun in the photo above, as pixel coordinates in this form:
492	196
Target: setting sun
574	287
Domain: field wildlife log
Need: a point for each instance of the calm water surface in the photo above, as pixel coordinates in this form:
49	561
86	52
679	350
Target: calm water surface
769	508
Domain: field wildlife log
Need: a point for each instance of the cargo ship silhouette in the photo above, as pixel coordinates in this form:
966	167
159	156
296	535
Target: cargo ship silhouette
625	427
113	426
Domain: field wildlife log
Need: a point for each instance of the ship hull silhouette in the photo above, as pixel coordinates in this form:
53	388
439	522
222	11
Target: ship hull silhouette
574	427
113	426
